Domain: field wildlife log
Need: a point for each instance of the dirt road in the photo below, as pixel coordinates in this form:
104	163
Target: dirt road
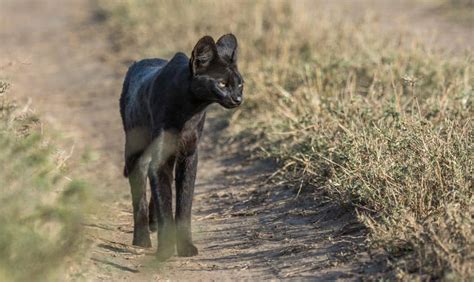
57	54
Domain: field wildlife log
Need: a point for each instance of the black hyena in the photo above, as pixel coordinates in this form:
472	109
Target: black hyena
163	107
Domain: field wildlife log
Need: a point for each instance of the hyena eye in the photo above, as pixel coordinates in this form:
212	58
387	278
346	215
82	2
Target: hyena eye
221	84
241	85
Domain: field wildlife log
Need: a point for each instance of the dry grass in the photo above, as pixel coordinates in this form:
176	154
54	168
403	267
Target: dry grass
40	209
379	121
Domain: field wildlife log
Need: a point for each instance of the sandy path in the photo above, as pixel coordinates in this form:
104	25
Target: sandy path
57	54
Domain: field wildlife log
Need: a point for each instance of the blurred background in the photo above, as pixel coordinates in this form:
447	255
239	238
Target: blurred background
367	104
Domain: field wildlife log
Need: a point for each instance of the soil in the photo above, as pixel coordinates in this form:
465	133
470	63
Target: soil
58	56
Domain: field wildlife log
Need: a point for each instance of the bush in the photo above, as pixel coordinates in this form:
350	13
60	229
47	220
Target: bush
40	209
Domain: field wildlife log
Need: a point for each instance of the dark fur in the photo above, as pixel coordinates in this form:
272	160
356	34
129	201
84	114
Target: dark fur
172	96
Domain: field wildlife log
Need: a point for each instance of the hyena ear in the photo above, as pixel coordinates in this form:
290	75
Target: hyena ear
203	54
227	48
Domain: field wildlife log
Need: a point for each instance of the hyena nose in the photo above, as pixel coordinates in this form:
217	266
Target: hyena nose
237	99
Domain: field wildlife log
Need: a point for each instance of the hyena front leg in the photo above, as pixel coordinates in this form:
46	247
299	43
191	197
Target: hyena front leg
186	167
162	152
137	179
160	183
152	216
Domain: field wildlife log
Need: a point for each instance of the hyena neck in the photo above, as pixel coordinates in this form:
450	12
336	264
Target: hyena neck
181	106
187	105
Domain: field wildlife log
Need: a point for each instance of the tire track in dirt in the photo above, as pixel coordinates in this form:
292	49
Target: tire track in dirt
58	54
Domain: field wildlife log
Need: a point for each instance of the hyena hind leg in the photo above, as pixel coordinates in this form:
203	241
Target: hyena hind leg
138	181
160	184
136	168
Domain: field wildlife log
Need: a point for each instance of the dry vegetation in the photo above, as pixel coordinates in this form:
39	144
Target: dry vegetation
40	209
379	121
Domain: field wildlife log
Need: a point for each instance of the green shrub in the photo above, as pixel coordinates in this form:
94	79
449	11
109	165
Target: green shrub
40	208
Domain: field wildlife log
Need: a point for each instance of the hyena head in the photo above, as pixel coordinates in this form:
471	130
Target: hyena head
215	77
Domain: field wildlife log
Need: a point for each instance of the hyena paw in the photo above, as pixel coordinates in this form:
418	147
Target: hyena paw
187	249
142	241
164	253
